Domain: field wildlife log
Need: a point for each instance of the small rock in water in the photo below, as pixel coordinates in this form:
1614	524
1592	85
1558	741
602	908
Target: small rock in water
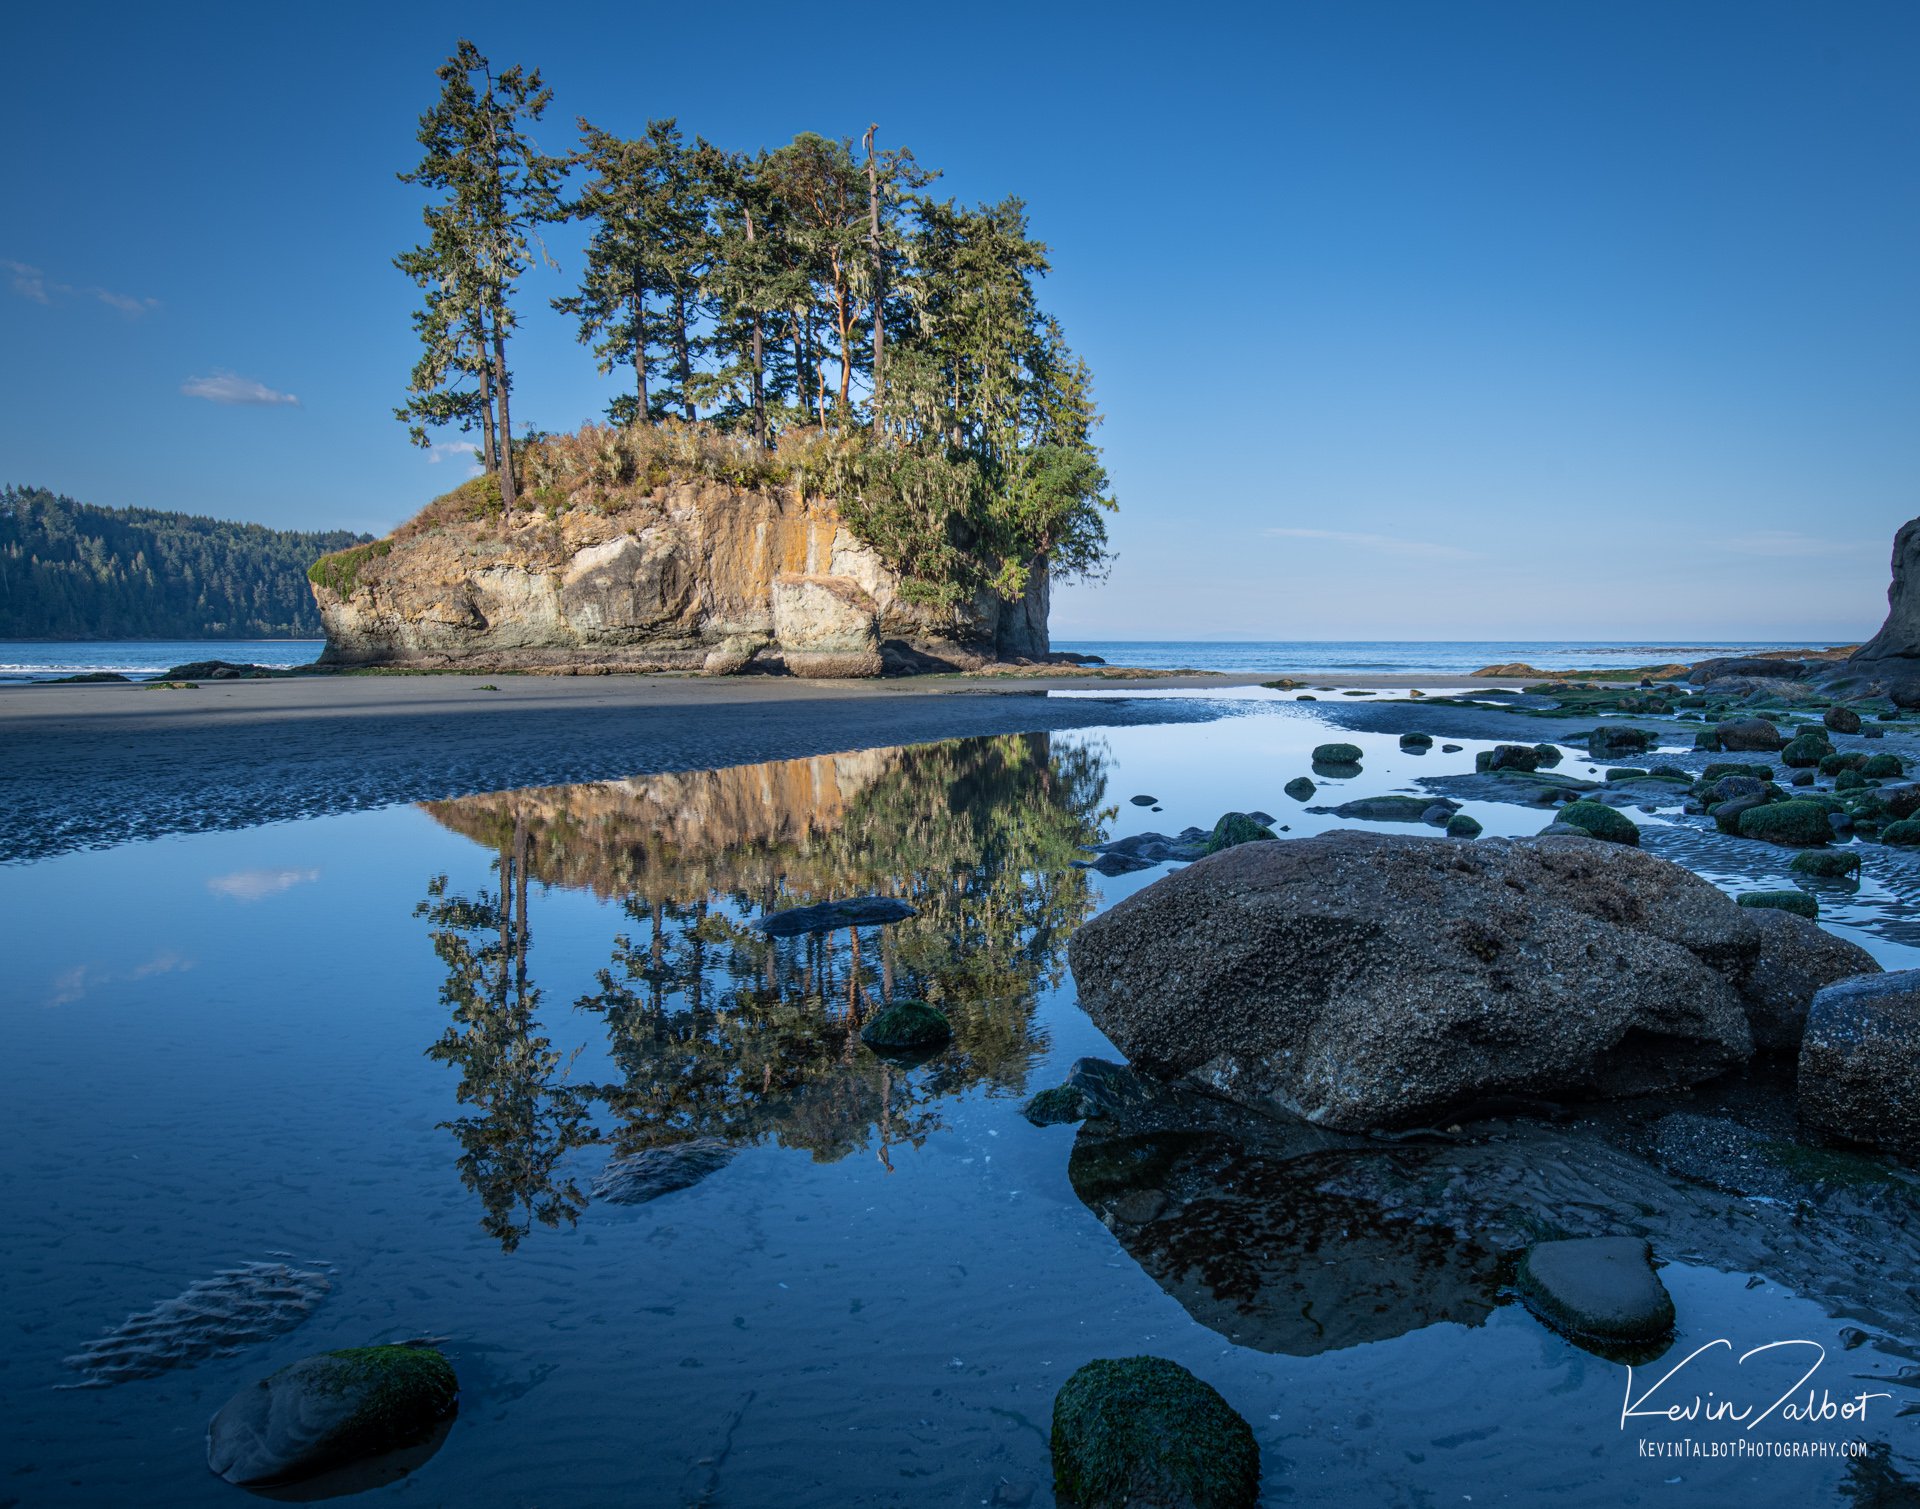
1597	1289
1508	757
1300	789
1390	809
212	1318
1416	741
827	916
1450	749
907	1027
1235	828
1336	754
1139	1431
1798	902
1826	864
1842	720
1598	820
1462	826
656	1171
1143	801
329	1410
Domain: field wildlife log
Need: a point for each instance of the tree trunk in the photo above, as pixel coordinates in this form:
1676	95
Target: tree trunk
879	278
843	324
686	361
639	352
759	391
486	409
505	442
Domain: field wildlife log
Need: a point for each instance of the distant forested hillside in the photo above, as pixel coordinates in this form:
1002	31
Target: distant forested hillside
72	571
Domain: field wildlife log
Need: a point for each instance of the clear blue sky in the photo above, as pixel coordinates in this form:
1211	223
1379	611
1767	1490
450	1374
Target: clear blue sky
1442	320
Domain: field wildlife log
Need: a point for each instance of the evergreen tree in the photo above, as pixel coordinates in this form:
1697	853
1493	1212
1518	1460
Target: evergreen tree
499	189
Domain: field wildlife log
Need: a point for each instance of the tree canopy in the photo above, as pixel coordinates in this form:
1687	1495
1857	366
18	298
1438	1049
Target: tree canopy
818	286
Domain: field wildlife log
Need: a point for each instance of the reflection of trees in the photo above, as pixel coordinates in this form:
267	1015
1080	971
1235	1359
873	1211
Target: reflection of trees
527	1118
718	1030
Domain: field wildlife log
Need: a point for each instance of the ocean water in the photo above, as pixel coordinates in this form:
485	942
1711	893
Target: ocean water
143	659
34	660
397	1052
1329	657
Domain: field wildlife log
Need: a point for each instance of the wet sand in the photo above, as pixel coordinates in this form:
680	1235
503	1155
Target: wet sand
102	763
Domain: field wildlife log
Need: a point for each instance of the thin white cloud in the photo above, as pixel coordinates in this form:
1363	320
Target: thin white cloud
1384	543
72	984
257	885
230	387
448	450
32	283
1790	544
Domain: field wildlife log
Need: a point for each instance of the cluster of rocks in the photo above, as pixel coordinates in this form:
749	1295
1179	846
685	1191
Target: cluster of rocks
1362	981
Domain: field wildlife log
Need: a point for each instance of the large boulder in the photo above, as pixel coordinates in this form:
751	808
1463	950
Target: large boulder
1797	957
826	626
1860	1061
328	1411
1749	735
1361	980
1899	636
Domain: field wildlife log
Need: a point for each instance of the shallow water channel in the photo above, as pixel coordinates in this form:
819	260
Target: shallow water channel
387	1057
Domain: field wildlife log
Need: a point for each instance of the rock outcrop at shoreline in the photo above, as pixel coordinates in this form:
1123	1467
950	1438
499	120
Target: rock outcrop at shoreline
696	576
1899	636
1360	981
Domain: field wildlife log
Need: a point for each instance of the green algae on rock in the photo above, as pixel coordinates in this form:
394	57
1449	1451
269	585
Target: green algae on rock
1598	820
1236	828
1798	902
1143	1430
1336	754
329	1410
1797	824
1826	864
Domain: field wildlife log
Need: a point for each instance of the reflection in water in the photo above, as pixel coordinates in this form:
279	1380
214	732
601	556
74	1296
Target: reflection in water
713	1029
1267	1251
527	1116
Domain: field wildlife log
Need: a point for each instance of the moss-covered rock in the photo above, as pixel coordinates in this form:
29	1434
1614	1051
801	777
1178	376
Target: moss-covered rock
1797	824
1236	828
1719	769
1462	826
1606	742
1549	754
1416	741
1782	901
1851	780
1837	761
1727	814
1805	750
1904	834
1143	1430
1508	757
328	1411
1300	789
907	1027
1626	773
1826	864
1598	820
1882	767
1337	754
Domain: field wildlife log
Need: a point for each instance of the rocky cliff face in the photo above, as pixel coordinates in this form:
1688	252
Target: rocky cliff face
1899	636
690	576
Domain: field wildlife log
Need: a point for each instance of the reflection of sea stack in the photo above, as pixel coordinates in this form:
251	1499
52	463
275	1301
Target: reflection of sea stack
1899	637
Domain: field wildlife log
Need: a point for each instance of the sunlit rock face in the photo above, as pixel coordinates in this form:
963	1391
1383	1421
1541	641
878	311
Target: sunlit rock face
691	576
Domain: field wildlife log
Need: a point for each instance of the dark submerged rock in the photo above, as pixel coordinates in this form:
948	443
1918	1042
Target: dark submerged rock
1388	809
1143	1431
1597	1289
1143	801
907	1027
656	1171
329	1410
1337	754
827	916
1416	741
1300	789
1860	1062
